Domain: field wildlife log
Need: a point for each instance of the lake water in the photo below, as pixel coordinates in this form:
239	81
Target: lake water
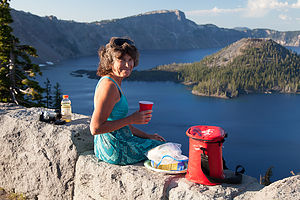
263	129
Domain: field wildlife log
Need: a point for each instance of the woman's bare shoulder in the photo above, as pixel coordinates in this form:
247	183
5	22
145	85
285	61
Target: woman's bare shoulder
107	88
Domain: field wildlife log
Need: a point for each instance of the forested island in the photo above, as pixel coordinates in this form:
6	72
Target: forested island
246	66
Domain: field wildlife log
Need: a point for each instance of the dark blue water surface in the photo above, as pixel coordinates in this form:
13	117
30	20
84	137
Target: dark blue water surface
263	129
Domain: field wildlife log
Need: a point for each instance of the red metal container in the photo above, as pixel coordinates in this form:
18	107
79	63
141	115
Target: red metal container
205	148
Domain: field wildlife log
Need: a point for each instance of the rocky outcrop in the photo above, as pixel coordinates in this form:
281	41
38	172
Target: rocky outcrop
136	182
56	40
46	161
39	159
287	38
288	188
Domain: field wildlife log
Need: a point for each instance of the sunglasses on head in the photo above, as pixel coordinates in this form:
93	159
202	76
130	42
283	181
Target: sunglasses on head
121	41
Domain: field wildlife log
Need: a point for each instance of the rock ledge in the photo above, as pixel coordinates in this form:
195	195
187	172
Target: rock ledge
45	161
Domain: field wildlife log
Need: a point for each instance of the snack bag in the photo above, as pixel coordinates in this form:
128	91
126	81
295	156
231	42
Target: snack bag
167	157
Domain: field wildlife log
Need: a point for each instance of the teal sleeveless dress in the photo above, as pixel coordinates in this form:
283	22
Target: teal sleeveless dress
121	147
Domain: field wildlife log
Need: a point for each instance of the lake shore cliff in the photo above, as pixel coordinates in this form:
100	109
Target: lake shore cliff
57	40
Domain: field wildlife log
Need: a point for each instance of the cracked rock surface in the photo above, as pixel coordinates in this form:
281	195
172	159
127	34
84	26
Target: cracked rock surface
36	158
46	161
99	180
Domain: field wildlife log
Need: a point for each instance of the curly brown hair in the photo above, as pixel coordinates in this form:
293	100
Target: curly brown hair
116	49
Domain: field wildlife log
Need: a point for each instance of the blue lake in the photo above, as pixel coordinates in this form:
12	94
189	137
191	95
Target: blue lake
263	129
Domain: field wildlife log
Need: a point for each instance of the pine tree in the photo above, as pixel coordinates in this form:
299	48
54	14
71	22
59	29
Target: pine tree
17	72
57	96
48	97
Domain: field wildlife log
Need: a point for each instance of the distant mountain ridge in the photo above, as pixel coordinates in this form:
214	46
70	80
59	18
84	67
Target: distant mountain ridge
57	40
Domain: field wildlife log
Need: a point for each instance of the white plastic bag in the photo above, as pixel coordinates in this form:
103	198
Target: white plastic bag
167	153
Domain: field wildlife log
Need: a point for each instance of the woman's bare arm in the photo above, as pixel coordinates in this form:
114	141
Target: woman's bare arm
105	100
139	133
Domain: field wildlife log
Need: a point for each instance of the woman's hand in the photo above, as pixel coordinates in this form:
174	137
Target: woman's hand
155	136
142	117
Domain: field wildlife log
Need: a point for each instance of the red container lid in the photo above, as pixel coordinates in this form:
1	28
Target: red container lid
206	133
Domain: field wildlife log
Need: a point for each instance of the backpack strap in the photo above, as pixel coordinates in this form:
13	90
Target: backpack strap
236	179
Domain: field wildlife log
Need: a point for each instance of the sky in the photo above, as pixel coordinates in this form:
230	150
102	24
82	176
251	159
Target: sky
281	15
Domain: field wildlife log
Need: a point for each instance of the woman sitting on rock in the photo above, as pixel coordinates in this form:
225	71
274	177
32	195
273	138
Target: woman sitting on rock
116	141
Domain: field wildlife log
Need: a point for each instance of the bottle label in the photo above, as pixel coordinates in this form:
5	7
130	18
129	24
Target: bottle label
66	112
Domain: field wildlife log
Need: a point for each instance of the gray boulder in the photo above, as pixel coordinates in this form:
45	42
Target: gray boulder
95	179
46	161
288	188
37	158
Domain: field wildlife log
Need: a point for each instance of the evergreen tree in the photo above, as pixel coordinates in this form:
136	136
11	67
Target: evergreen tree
48	97
17	72
57	96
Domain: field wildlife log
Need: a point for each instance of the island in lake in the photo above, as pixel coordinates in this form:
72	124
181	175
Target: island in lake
246	66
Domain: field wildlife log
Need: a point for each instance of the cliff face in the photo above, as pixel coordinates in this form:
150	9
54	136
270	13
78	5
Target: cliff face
46	161
170	30
56	39
288	38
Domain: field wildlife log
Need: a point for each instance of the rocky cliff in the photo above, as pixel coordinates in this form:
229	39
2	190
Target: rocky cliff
57	40
46	161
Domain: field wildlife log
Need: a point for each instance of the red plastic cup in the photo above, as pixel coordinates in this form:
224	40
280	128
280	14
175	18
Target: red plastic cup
145	105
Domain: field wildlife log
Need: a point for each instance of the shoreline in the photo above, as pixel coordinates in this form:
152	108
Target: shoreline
153	76
195	92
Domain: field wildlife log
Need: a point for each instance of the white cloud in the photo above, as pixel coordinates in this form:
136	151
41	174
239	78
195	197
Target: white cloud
284	17
254	9
296	5
259	8
214	11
